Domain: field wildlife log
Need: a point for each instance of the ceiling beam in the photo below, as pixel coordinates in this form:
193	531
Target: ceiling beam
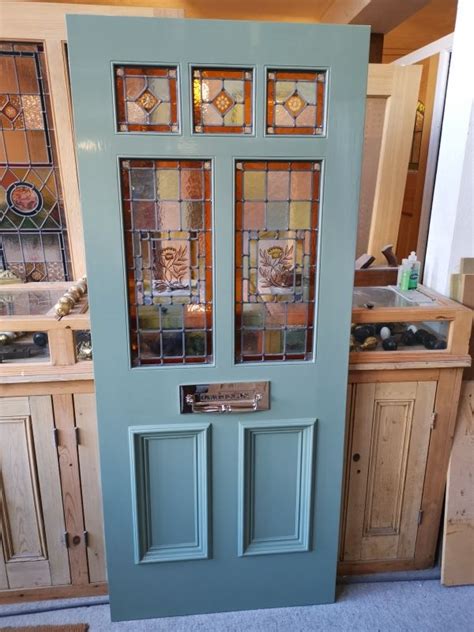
382	15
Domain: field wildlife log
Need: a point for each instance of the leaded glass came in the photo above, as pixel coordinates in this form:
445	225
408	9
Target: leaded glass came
277	207
222	101
146	98
296	102
167	207
33	238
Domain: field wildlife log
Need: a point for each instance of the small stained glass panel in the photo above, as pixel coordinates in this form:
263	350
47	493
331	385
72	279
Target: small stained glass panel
146	98
277	208
222	100
33	237
167	208
296	102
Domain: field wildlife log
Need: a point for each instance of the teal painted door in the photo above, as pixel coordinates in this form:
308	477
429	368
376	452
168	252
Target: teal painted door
219	172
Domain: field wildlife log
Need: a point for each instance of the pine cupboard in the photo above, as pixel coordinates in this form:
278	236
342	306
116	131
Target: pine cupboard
401	415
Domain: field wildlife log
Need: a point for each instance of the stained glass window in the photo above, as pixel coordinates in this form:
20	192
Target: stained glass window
146	98
295	101
33	239
222	100
277	205
167	209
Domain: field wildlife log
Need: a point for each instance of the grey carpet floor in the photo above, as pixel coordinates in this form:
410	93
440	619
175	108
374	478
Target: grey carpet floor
418	606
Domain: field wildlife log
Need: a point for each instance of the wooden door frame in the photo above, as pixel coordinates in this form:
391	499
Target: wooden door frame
46	23
442	48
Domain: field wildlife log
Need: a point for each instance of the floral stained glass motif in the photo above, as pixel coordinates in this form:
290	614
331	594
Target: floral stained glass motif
167	209
33	237
147	98
222	101
277	208
296	102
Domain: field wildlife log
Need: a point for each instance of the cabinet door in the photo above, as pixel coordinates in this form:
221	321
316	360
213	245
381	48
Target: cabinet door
33	552
388	445
88	449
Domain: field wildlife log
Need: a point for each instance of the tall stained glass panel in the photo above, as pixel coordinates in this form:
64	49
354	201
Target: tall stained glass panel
146	98
222	100
296	102
33	238
277	207
167	209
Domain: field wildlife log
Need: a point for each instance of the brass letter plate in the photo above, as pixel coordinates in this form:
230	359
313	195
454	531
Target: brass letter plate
236	397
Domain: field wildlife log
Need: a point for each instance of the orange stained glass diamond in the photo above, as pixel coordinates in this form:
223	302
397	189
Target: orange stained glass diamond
147	101
10	111
295	104
223	102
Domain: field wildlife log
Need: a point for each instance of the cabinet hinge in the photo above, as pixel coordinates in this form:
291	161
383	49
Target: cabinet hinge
86	538
66	539
56	437
420	516
434	417
77	434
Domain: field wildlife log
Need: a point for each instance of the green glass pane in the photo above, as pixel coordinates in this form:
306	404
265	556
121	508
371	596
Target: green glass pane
295	341
300	215
235	116
172	317
195	343
307	90
172	344
252	315
235	88
161	114
160	88
148	317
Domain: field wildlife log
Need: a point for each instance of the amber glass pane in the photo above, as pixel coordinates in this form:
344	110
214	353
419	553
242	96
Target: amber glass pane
222	101
277	205
295	101
146	98
33	240
167	207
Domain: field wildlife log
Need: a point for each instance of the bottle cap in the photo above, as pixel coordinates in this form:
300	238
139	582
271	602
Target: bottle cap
412	256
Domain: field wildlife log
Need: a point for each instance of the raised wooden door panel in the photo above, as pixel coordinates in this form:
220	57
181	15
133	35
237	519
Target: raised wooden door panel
31	511
388	444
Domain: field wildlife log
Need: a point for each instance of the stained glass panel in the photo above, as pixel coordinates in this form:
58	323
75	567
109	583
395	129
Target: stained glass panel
33	238
146	98
277	207
222	100
167	207
296	102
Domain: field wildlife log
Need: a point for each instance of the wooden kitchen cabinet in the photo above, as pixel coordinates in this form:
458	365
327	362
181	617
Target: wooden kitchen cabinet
51	516
32	519
400	424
